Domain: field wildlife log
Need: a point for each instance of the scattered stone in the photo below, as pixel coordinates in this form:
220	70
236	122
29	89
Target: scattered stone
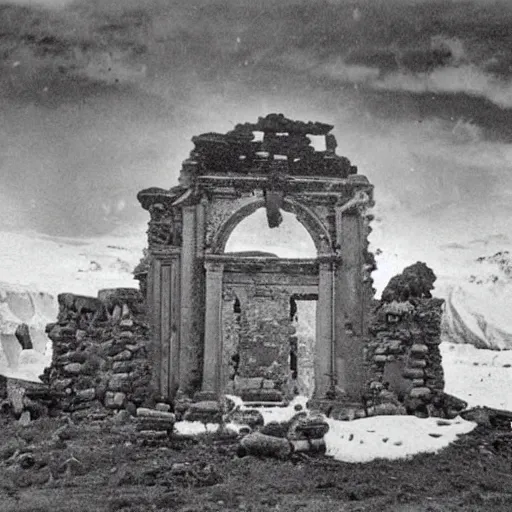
24	420
162	407
250	417
311	427
264	445
22	334
207	412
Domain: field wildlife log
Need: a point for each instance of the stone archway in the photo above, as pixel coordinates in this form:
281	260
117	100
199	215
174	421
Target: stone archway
317	230
227	177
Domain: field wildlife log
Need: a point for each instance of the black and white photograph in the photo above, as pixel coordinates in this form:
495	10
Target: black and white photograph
255	255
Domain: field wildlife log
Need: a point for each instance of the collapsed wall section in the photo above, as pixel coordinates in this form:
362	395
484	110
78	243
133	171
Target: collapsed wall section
405	372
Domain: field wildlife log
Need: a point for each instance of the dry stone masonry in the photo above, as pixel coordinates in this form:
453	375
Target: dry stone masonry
100	353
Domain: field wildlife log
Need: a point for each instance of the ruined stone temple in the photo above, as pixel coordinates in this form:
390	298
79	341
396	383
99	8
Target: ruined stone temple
221	321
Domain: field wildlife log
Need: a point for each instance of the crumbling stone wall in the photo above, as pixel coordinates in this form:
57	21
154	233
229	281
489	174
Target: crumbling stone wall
405	373
263	343
100	352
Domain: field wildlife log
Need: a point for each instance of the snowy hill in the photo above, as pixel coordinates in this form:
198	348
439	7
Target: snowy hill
478	307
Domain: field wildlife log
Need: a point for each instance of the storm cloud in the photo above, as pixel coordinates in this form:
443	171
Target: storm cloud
100	99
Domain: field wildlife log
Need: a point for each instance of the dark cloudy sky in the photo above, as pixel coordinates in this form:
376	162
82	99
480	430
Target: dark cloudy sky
99	98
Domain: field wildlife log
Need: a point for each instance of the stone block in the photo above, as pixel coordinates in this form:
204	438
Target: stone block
126	335
394	346
125	355
419	349
122	366
243	383
126	323
73	368
118	381
417	363
86	395
420	393
418	383
163	407
380	358
114	400
249	417
207	412
413	373
262	395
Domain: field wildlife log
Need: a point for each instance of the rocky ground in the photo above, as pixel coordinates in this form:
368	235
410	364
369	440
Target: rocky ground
59	466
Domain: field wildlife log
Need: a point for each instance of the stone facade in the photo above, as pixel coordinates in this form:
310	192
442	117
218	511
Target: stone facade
186	275
101	353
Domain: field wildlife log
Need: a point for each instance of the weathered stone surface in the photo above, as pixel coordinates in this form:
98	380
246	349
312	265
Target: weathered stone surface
420	392
126	323
250	417
417	363
118	381
243	383
419	349
114	400
207	412
86	395
163	407
263	445
414	373
125	355
22	334
73	368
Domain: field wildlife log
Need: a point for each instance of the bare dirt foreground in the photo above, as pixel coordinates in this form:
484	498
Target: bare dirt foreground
53	465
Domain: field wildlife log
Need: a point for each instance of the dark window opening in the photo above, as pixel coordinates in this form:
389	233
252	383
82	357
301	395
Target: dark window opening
293	309
236	307
235	364
294	363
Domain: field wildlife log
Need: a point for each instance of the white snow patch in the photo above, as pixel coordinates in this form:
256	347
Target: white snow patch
390	437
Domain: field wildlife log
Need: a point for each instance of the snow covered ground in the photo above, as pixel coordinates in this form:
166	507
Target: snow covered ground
363	440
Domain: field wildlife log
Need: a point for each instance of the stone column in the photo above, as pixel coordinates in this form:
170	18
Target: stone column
212	365
189	348
349	305
324	331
